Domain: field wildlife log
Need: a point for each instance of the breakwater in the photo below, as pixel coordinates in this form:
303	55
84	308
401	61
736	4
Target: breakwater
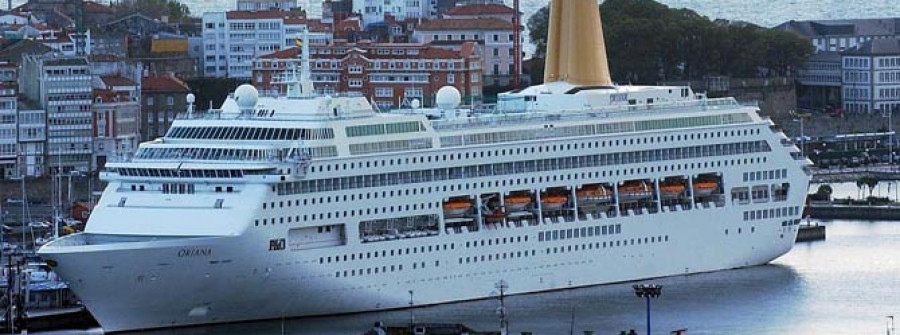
854	212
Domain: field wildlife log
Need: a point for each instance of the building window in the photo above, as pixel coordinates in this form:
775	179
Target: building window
384	92
451	78
355	82
170	100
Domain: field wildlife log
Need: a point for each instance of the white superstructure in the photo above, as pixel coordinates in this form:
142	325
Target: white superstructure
305	205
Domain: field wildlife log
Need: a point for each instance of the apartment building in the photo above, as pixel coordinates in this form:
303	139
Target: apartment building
162	97
389	74
231	40
249	5
374	11
489	25
61	85
871	76
116	119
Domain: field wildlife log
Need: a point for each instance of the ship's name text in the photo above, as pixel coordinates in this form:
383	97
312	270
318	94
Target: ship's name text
194	252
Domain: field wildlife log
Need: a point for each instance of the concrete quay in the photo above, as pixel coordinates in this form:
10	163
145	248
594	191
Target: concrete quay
855	212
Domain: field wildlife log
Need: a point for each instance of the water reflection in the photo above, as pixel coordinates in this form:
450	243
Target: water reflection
714	302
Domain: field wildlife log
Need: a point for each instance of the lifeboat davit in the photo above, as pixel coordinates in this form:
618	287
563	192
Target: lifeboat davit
457	208
517	202
635	190
671	190
553	202
704	188
594	195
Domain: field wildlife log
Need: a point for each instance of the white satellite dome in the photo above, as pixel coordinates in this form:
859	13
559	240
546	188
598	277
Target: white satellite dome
190	98
415	104
448	97
246	96
230	106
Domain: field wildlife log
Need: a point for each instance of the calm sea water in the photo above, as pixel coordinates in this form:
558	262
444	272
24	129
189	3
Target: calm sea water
763	12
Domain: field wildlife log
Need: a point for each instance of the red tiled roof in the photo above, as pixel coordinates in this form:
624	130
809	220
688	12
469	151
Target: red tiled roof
161	83
467	24
262	14
480	9
110	95
425	52
94	8
117	81
313	24
349	24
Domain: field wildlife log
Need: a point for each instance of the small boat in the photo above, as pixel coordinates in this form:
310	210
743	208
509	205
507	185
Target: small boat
553	202
635	190
671	190
592	195
517	202
456	207
496	216
705	187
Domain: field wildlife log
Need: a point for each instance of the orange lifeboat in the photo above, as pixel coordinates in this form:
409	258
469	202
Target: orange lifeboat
553	202
705	187
635	190
590	195
496	216
456	207
517	202
671	190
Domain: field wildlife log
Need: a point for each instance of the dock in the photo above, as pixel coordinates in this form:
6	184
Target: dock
855	212
811	232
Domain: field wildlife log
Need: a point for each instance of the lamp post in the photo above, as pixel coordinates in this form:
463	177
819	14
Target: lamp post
502	286
647	291
412	315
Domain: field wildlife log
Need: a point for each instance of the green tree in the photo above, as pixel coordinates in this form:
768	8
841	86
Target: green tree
173	9
538	24
648	42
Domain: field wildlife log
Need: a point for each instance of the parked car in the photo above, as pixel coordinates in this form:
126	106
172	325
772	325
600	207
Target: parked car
39	225
8	247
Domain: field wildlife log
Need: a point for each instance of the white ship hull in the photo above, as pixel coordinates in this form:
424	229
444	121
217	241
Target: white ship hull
179	284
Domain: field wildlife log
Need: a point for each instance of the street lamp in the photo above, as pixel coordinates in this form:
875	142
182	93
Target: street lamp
412	315
502	286
647	291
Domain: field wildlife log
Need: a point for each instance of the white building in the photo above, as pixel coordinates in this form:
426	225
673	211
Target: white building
231	40
840	35
61	85
249	5
32	139
373	11
8	127
871	76
485	24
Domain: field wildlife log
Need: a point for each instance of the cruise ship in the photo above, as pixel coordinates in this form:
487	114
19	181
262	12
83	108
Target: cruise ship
303	205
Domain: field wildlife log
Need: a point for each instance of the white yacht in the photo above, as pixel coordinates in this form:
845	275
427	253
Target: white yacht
307	205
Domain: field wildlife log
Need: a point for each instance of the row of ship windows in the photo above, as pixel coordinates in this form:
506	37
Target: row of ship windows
497	256
383	269
771	213
387	253
550	131
458	187
562	234
519	167
609	244
249	133
496	241
765	175
519	151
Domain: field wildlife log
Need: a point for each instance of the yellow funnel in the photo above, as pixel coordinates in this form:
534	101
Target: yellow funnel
576	52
